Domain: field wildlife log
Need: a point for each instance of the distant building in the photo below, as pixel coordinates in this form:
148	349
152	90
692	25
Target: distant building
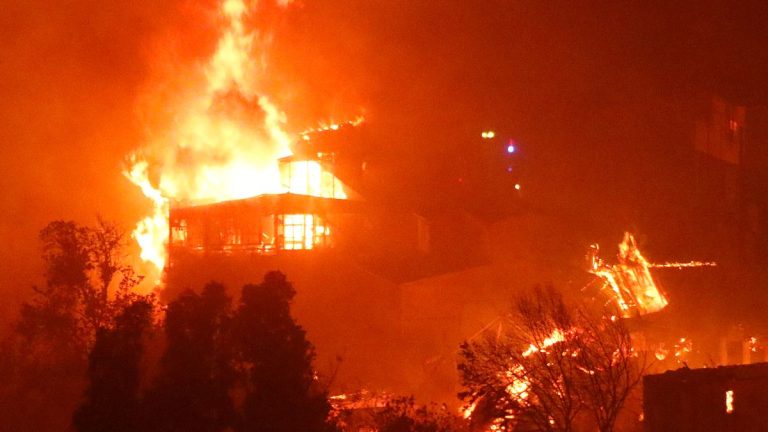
731	143
726	398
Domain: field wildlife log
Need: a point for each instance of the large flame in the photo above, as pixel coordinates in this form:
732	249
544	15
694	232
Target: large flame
223	143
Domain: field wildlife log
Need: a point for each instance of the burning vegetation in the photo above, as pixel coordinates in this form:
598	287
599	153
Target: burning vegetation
552	367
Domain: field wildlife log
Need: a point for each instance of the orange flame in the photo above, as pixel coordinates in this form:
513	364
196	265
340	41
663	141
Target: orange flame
630	282
556	336
520	383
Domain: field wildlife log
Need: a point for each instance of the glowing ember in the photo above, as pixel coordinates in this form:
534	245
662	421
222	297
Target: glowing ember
629	281
466	411
689	264
224	143
555	337
752	344
519	383
682	348
729	401
324	127
363	399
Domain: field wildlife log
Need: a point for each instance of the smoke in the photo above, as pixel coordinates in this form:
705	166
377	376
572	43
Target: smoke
69	77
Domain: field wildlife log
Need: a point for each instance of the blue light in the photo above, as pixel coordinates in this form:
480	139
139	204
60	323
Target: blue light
511	148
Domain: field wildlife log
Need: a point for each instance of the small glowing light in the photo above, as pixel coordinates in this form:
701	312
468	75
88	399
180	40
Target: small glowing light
488	134
511	148
729	401
509	169
517	186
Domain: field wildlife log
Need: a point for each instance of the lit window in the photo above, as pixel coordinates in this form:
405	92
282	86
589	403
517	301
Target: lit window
297	231
303	231
308	177
729	401
179	232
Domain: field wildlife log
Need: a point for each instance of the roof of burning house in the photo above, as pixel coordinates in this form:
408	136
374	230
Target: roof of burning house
286	203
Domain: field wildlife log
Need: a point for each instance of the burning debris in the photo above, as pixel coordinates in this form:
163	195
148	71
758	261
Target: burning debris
630	282
362	399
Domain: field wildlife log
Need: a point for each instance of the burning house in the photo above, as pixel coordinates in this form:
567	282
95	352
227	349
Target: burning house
316	211
348	256
234	196
268	223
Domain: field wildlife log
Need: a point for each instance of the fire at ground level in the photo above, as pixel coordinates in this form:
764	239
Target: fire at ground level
398	333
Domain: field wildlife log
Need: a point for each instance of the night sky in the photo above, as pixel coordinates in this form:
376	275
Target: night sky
597	93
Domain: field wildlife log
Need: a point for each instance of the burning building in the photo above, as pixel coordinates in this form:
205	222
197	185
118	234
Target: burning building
726	398
316	211
268	223
348	256
234	196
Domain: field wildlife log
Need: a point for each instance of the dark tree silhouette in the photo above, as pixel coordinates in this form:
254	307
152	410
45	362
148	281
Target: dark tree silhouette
191	392
112	401
104	244
53	317
46	356
80	265
66	255
617	369
281	393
